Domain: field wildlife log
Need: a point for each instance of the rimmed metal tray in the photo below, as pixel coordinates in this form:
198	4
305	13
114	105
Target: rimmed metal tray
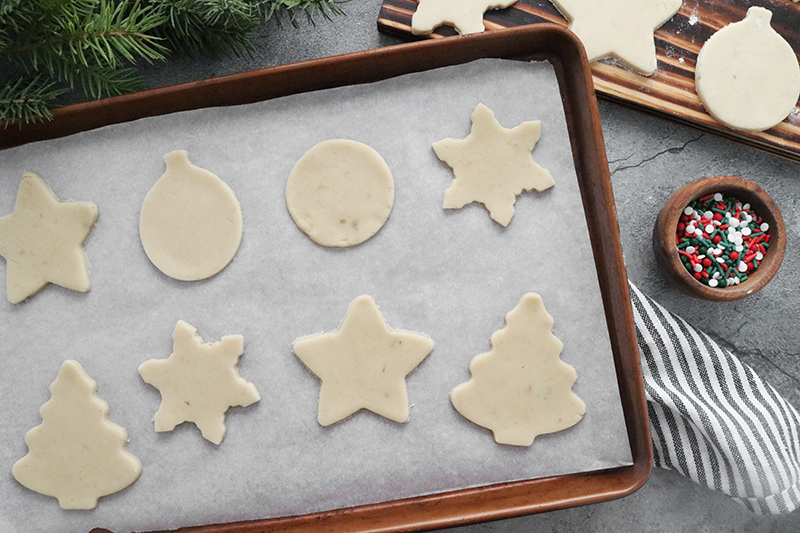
541	42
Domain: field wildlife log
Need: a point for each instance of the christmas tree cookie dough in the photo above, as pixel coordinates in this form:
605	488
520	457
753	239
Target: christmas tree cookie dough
191	222
466	16
340	193
747	76
199	382
77	454
493	165
619	28
363	365
42	241
521	388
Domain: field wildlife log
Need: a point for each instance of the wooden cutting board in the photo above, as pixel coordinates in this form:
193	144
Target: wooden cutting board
670	90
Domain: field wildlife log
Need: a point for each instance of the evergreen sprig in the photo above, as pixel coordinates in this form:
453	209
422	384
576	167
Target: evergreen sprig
49	47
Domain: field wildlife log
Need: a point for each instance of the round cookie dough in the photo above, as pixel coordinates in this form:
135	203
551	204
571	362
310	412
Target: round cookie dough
340	193
191	221
747	75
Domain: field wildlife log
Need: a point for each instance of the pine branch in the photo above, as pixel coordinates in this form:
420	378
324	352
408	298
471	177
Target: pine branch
47	46
207	27
291	8
27	100
112	35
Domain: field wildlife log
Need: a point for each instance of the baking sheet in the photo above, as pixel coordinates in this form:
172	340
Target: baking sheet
450	274
670	89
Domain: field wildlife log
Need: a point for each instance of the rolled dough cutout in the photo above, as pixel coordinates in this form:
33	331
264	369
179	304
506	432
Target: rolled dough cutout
622	29
747	75
493	165
191	221
77	454
199	382
363	365
466	16
42	241
340	193
521	388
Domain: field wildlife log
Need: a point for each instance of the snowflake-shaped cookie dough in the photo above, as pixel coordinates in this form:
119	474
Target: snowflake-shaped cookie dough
199	382
619	28
363	365
493	165
42	241
466	16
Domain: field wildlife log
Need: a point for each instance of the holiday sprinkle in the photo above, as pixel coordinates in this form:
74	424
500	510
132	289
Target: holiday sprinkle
721	240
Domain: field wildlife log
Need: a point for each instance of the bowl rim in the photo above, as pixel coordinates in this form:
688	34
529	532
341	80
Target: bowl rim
746	191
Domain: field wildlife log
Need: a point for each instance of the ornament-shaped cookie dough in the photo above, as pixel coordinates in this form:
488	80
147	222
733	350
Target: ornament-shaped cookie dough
747	75
622	29
198	382
340	193
493	165
521	388
77	454
466	16
363	365
42	241
191	221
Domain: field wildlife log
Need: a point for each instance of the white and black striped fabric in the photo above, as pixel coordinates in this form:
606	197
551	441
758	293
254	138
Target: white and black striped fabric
712	418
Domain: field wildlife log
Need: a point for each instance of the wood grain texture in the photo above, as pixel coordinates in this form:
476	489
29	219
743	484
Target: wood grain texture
670	90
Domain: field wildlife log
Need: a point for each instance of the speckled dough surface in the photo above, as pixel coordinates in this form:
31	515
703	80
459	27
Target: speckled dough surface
340	193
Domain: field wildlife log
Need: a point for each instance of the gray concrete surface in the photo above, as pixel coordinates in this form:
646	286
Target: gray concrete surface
649	158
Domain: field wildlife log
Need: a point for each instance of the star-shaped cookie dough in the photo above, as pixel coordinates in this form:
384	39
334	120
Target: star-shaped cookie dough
493	165
199	382
42	241
363	365
466	16
619	28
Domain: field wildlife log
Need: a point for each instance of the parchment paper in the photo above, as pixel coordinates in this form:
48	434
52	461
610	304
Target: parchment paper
452	274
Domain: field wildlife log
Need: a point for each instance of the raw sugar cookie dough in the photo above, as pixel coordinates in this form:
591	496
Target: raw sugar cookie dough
340	193
363	365
521	388
466	16
77	454
42	241
191	221
747	75
622	29
493	165
198	382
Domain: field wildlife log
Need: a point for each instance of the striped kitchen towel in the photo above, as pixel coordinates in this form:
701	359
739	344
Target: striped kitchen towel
712	418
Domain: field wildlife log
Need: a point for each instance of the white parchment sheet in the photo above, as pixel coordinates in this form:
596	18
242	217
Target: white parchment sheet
452	274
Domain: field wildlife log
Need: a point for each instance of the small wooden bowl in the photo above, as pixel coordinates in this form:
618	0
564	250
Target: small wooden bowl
667	223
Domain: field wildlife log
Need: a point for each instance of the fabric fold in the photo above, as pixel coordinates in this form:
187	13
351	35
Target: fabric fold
713	419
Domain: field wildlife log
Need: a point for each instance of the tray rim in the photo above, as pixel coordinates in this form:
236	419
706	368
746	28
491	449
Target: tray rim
542	41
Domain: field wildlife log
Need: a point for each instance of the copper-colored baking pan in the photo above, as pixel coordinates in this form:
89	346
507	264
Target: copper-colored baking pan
541	42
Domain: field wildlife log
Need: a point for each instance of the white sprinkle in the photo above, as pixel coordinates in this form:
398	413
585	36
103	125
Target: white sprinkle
746	231
698	267
764	226
716	275
690	249
688	210
718	197
708	214
734	222
759	256
739	248
746	207
712	282
720	260
709	228
742	266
